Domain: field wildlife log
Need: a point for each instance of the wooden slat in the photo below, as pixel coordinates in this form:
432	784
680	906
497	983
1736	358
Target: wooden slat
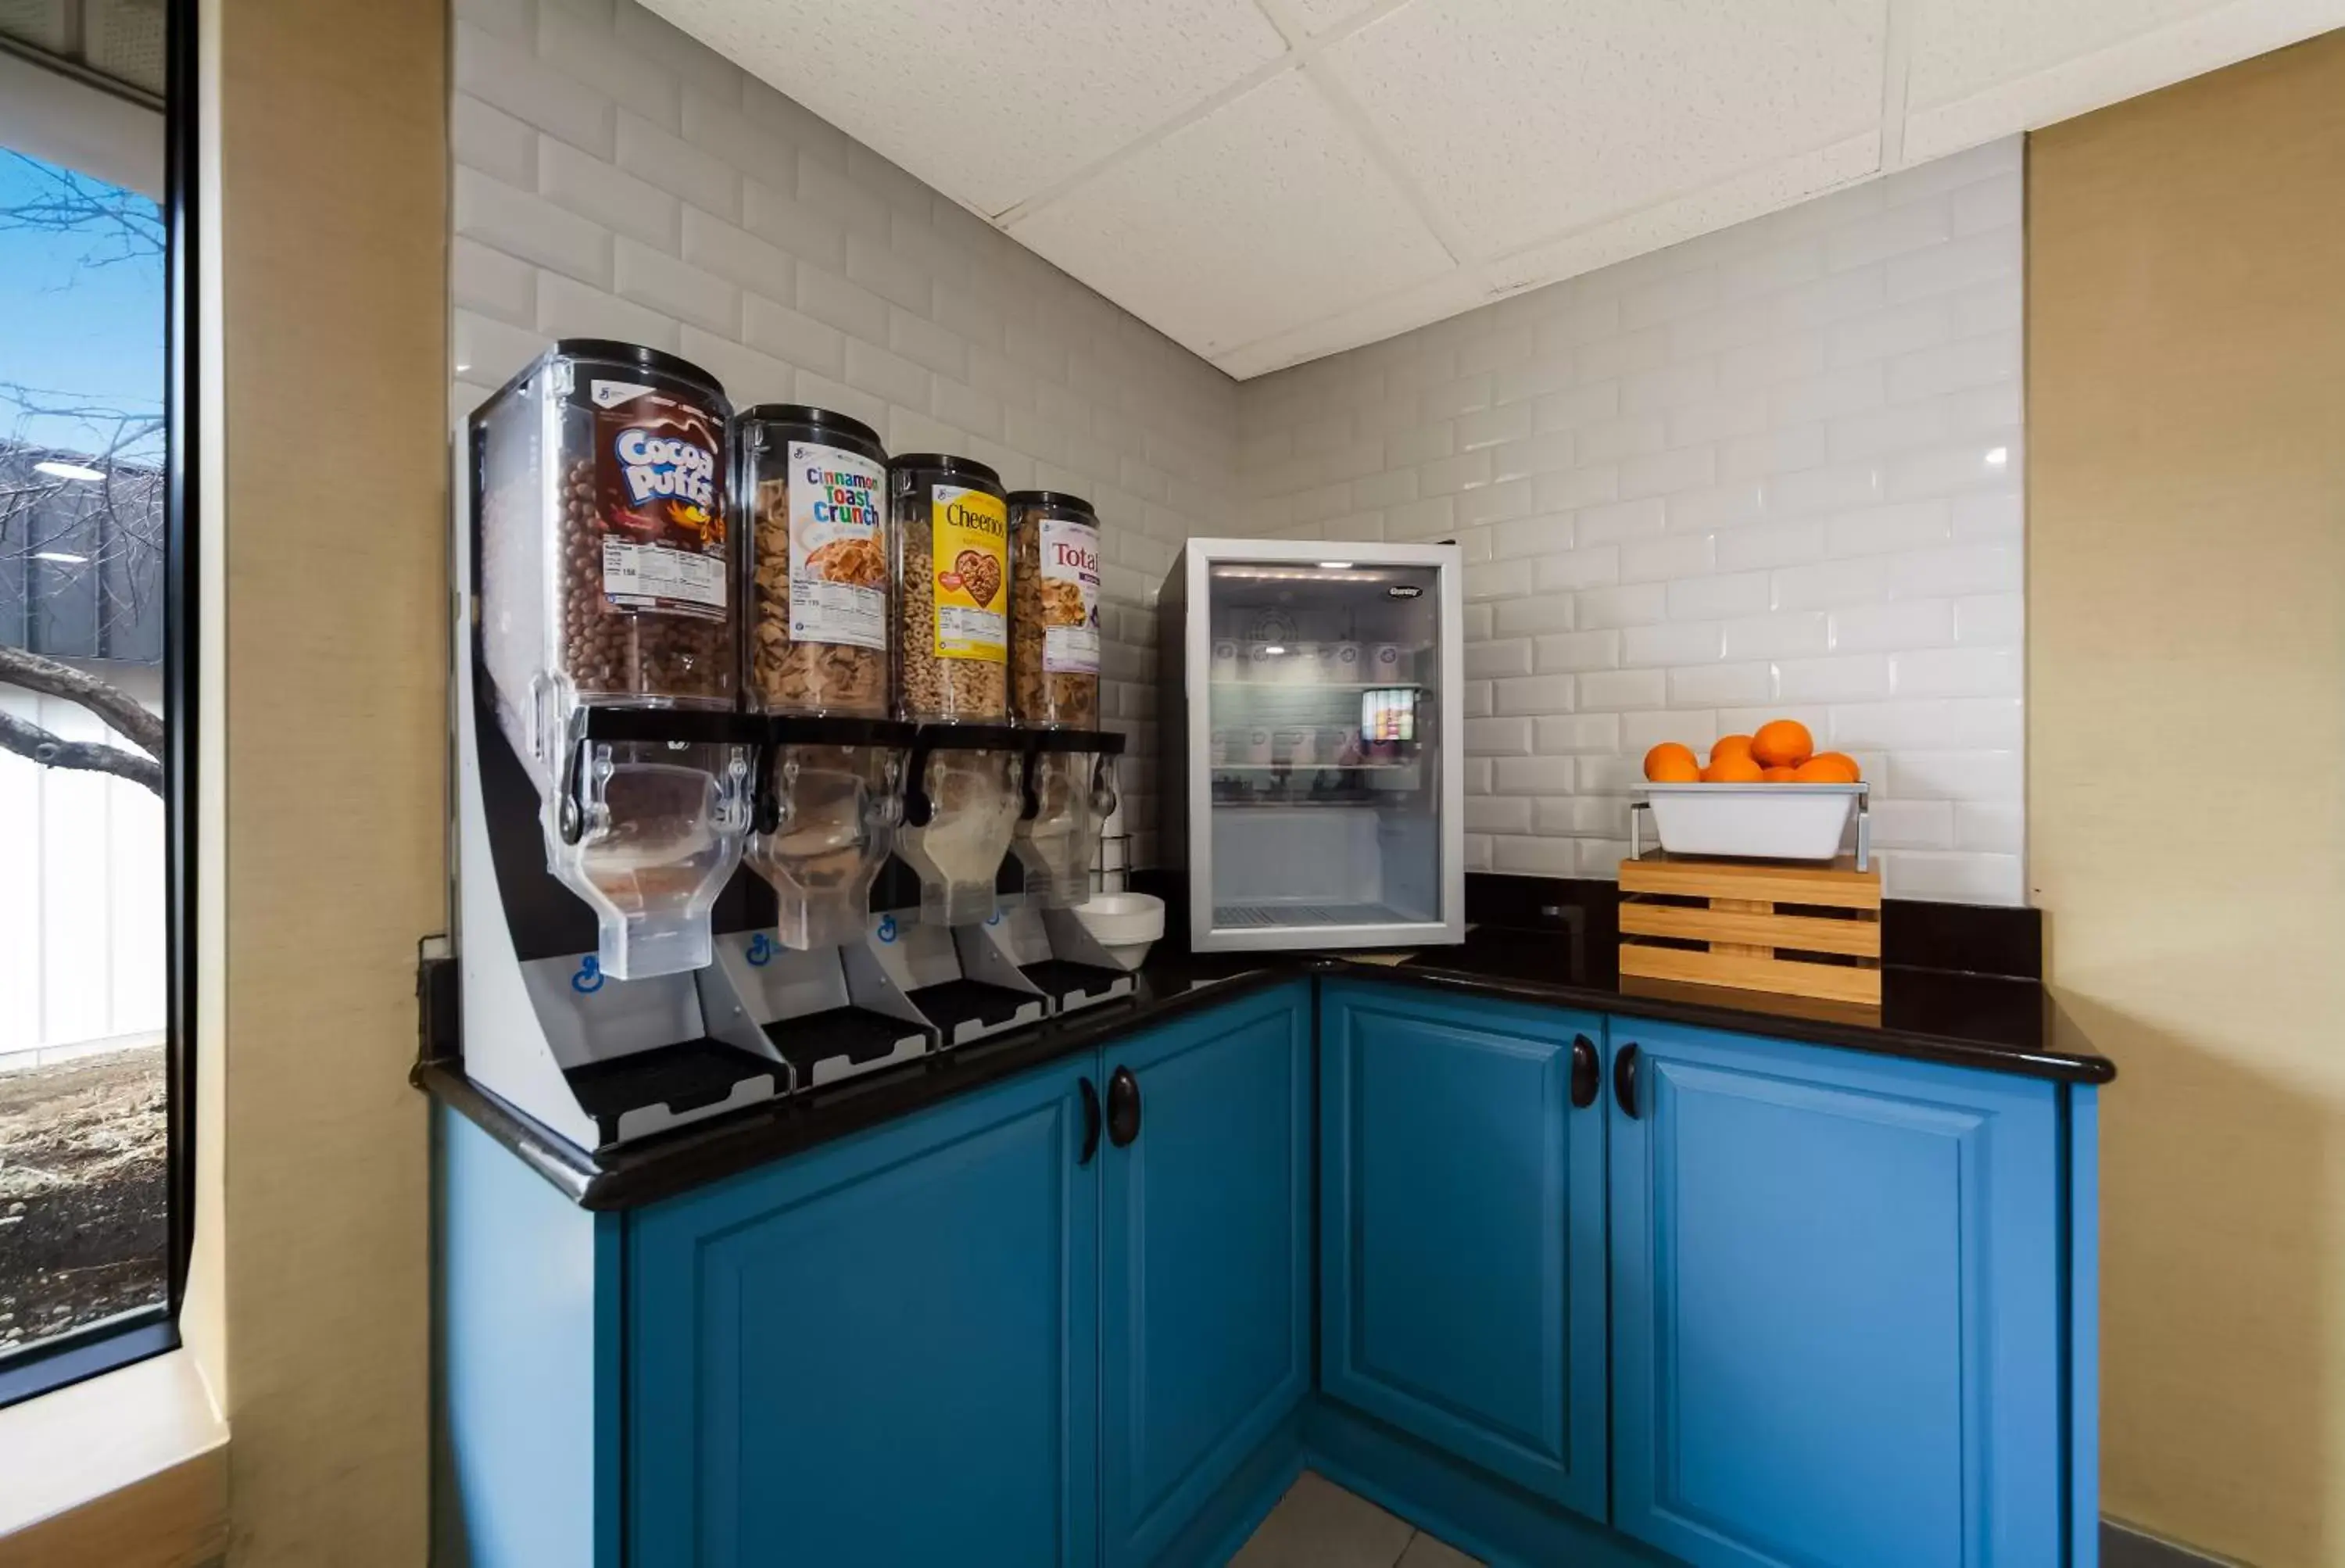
1839	983
1837	886
1753	948
1801	933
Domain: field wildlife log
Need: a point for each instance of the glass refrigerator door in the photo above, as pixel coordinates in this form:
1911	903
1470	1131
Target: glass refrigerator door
1325	752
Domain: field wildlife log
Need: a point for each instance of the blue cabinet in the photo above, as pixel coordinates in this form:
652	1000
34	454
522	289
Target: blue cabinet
1462	1231
885	1351
1205	1295
1836	1307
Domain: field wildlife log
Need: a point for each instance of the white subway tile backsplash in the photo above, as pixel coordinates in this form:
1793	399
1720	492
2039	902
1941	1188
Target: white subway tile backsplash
1716	685
677	289
1794	634
1907	624
1578	406
655	153
1498	737
1576	650
1576	488
1957	672
1848	678
566	308
1659	473
1614	522
1511	656
602	193
1672	643
1531	456
1541	694
1641	604
1666	557
508	74
485	137
1769	545
1715	599
1714	506
526	226
1533	776
1991	620
490	281
1568	733
1620	690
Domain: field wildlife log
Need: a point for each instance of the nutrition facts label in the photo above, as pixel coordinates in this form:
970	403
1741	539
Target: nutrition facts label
652	576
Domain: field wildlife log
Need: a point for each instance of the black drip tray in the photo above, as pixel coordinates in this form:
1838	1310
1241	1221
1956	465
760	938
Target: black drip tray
681	1078
851	1034
1072	985
965	1008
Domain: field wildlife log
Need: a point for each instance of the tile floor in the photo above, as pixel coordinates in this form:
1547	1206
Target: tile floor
1318	1524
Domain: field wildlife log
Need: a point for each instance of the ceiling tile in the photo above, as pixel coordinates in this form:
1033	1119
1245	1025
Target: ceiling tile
990	101
1523	119
1311	17
1266	212
1962	46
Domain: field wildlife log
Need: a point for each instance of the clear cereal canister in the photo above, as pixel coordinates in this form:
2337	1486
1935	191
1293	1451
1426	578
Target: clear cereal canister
604	576
811	492
1055	684
953	585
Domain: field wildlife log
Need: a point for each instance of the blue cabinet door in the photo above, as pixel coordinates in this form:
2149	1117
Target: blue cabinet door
1835	1307
883	1352
1205	1300
1462	1231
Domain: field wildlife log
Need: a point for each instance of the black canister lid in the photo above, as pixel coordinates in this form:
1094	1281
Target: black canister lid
944	465
829	423
658	361
1054	498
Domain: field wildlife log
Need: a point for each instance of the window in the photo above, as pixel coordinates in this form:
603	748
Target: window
94	727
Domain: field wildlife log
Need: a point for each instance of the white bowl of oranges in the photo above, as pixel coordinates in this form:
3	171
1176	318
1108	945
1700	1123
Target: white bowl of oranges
1768	795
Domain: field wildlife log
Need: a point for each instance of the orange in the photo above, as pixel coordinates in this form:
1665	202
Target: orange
1732	769
1855	774
1779	775
1726	746
1782	743
1825	771
1670	763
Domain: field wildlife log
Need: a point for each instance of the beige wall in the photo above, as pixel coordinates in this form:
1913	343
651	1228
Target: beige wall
325	692
2186	769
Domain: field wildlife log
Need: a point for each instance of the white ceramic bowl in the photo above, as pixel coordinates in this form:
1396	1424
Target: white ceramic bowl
1763	821
1126	924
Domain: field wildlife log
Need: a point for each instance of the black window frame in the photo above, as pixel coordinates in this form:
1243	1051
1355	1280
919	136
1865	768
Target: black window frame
68	1358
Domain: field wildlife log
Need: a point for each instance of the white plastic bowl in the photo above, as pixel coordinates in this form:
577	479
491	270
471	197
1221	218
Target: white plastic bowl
1761	821
1126	924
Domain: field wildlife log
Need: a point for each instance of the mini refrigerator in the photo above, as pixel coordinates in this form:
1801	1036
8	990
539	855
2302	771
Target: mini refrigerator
1313	766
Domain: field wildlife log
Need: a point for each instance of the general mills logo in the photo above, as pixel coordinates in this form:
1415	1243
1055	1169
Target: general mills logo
666	465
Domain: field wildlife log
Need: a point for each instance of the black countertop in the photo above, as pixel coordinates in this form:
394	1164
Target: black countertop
1965	1020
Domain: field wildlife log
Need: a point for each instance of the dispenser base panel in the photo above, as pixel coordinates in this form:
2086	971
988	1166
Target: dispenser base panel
645	1091
967	1010
1069	986
841	1042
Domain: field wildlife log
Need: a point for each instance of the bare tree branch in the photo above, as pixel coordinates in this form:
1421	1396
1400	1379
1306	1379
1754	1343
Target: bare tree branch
117	708
89	756
122	225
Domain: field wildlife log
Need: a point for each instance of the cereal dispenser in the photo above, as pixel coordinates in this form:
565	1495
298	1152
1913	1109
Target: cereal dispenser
1055	692
962	793
810	492
605	777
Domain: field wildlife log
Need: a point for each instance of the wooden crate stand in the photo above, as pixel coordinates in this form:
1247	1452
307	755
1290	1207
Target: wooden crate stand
1755	925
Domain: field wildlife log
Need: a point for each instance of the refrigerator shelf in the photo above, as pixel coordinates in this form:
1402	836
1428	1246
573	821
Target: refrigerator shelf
1265	917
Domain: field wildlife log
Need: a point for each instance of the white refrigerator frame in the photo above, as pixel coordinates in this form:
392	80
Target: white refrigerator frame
1199	558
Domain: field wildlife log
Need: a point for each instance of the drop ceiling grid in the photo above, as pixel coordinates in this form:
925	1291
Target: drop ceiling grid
1426	156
